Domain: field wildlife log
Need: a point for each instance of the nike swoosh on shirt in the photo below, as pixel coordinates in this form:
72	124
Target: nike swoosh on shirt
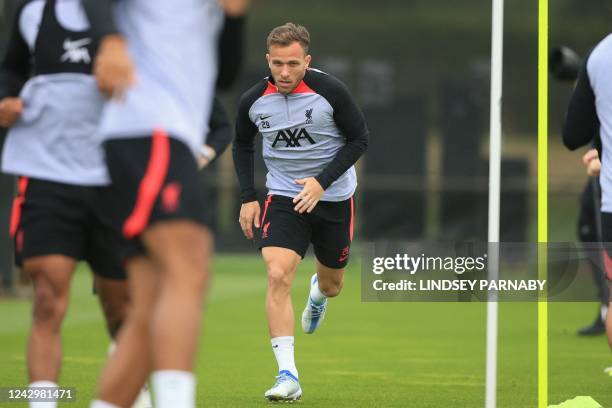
264	117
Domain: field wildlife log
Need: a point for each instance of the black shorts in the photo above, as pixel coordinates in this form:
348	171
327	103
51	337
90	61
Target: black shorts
606	231
153	179
52	218
329	227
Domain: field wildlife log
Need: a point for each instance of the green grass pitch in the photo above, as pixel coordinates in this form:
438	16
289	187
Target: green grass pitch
365	354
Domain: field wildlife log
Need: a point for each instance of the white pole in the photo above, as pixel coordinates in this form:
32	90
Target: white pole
497	47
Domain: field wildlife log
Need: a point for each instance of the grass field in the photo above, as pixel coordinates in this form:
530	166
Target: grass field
365	355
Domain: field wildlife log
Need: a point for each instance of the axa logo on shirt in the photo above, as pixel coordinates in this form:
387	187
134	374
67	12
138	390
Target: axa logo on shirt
76	51
292	138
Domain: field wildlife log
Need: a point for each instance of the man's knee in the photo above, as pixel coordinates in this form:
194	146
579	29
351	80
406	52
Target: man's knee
51	281
279	276
49	307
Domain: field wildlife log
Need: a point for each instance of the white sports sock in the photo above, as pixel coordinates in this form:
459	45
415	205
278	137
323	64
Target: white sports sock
604	312
111	348
173	388
43	384
317	297
102	404
283	351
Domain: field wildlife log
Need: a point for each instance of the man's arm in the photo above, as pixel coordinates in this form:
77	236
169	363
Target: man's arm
16	65
219	135
243	150
15	70
231	50
100	16
581	122
351	122
113	67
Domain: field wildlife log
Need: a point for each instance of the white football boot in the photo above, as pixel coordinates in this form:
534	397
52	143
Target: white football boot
287	388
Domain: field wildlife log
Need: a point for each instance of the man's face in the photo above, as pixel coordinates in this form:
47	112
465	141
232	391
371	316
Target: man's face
288	65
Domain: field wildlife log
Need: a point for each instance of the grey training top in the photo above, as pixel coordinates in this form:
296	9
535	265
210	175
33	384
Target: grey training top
315	131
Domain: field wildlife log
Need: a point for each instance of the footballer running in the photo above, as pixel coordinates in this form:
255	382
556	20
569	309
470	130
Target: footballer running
312	134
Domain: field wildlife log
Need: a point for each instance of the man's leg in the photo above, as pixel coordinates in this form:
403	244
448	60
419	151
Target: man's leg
326	282
609	317
50	276
331	239
281	264
330	280
129	366
113	295
183	250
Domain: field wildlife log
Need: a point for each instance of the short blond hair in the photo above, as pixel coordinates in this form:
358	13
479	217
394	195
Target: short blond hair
287	34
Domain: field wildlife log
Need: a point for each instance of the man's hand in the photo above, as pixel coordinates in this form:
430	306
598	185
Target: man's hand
249	216
235	8
309	196
113	67
592	163
205	156
10	111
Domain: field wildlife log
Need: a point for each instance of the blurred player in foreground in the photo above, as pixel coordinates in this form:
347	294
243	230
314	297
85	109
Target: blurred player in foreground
152	130
52	105
589	231
313	133
589	115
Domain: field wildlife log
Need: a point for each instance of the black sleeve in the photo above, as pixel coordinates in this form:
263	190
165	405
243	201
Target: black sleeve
220	134
350	121
244	144
231	50
16	66
100	16
581	122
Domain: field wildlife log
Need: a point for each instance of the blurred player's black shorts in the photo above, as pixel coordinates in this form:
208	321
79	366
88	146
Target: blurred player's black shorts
329	227
154	178
52	218
606	231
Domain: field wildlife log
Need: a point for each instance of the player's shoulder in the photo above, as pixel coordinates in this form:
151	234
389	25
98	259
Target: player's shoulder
601	52
326	85
29	13
320	80
29	6
252	94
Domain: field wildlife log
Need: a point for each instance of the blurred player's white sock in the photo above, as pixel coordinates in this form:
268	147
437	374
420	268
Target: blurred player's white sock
102	404
43	384
604	312
173	388
317	297
283	351
143	400
111	348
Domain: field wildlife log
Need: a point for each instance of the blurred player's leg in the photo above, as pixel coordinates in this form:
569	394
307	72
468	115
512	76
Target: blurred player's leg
114	300
327	282
50	276
281	264
183	250
609	317
128	367
51	280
